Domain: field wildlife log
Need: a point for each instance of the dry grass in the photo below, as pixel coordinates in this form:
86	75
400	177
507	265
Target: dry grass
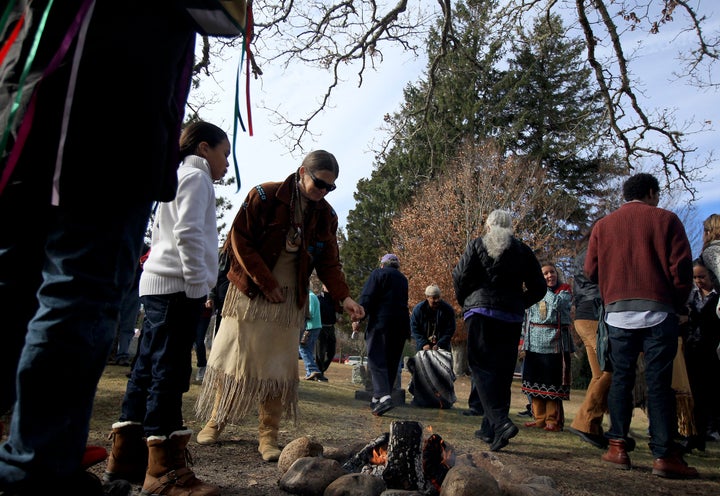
330	413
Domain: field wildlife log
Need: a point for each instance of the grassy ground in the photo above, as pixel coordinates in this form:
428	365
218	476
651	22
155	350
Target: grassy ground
330	413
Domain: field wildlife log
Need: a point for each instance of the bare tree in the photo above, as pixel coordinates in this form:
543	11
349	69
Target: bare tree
431	233
343	39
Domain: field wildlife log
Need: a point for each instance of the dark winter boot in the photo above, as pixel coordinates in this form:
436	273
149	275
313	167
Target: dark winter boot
168	473
129	453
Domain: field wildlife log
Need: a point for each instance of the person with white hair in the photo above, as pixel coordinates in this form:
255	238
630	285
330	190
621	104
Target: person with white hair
496	279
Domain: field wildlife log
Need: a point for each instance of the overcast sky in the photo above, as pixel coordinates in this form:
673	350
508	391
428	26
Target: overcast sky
351	125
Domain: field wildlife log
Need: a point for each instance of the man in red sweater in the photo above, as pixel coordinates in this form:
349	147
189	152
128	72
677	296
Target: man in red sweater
640	257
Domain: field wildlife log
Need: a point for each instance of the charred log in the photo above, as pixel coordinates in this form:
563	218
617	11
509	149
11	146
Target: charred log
438	457
404	470
363	457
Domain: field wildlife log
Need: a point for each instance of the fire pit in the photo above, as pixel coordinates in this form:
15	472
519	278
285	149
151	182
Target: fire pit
404	460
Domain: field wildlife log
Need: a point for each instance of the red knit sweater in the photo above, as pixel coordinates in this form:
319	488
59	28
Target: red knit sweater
640	252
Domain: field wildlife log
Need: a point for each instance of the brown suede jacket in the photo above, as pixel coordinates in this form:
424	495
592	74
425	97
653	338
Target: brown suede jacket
258	235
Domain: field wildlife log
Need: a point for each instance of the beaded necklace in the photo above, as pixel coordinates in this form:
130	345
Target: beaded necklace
294	236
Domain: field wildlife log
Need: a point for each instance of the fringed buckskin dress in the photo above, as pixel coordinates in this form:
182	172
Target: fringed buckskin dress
277	239
241	366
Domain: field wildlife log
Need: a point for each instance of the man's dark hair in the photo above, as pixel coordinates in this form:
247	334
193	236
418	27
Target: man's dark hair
639	185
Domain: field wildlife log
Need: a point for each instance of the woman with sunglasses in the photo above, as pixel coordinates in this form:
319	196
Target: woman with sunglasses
283	232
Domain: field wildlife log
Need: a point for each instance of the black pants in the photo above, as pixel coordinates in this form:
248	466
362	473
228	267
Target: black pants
325	347
492	354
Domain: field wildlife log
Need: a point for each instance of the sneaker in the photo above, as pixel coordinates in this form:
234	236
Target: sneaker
322	378
713	436
200	374
312	376
382	407
525	413
472	413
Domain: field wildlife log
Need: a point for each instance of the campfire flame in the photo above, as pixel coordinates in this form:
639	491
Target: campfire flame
379	456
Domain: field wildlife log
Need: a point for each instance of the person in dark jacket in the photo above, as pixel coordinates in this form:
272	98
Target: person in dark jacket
220	290
327	341
68	252
432	323
385	300
496	279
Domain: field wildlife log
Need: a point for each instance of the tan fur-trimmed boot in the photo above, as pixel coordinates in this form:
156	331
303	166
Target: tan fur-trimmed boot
270	415
168	473
129	454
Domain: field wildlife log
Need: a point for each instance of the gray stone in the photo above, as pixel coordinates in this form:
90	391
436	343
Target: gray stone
469	481
298	448
356	485
310	476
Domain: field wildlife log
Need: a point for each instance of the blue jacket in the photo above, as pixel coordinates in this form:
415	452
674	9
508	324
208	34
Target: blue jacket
425	322
385	299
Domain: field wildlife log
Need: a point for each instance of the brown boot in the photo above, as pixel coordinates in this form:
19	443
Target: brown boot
673	467
270	415
168	473
617	455
129	454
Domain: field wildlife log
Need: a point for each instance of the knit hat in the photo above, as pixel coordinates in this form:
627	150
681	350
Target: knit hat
432	290
389	257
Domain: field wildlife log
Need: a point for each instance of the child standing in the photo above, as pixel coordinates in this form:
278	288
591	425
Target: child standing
180	271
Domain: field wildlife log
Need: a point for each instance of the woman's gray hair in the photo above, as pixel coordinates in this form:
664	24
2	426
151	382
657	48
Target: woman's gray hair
499	232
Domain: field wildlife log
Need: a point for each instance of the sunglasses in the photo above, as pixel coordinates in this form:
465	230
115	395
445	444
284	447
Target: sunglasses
320	184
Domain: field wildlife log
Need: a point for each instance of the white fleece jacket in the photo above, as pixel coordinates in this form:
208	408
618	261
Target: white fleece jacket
184	248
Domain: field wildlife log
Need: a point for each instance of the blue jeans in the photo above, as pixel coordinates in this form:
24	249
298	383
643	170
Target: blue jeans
83	260
307	351
161	374
200	334
659	346
129	310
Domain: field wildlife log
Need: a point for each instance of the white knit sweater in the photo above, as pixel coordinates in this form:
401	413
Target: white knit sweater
184	249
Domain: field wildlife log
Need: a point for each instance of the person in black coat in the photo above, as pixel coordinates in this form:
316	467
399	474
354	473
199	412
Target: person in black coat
385	299
496	279
327	341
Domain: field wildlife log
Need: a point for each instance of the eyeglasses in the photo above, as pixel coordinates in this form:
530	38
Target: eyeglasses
320	184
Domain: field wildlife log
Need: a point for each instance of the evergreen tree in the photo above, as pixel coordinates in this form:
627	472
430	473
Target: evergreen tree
555	116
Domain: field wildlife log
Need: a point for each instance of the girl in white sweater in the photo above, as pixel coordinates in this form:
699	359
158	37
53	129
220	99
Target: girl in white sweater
179	273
